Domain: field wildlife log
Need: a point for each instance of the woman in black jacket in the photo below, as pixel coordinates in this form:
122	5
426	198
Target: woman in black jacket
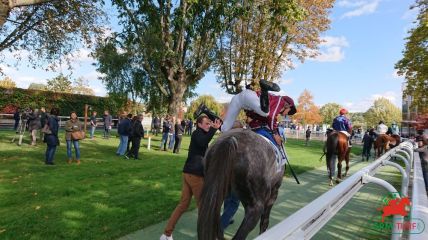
51	136
137	134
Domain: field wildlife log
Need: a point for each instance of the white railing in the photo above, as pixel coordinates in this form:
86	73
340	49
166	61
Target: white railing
419	199
306	222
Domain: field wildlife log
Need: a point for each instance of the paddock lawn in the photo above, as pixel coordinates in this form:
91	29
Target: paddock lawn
107	196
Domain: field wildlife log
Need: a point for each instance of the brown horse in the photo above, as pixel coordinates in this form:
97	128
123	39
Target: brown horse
337	147
385	142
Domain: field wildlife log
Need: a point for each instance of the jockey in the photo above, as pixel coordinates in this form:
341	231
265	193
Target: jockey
381	128
394	129
342	124
261	108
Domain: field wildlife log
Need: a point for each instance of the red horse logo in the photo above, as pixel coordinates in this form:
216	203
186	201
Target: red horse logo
395	206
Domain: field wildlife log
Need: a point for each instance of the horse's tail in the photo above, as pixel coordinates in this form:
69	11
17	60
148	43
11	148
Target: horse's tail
219	163
331	147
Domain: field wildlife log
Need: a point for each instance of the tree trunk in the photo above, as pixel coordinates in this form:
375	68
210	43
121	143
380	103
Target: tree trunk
4	11
178	87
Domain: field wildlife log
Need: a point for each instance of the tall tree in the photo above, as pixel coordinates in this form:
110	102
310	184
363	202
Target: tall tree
382	110
81	86
51	30
37	86
60	83
174	41
307	111
7	82
414	64
357	119
263	36
329	111
123	75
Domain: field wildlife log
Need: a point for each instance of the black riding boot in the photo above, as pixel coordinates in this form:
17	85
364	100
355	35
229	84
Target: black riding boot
204	109
266	86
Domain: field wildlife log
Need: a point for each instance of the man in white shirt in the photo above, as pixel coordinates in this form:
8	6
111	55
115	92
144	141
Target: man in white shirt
381	128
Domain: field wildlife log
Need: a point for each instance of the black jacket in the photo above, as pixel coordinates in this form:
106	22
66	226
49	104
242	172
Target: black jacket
197	149
179	129
137	129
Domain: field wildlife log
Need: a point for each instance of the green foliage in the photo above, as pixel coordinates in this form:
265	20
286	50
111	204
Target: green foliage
382	110
262	36
329	111
52	30
357	120
24	98
414	63
60	83
172	42
209	101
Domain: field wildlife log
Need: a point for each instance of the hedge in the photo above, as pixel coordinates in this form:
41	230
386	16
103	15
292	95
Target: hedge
10	99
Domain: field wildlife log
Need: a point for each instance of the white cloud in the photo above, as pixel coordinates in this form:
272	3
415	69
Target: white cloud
410	14
345	3
359	8
332	49
366	103
329	41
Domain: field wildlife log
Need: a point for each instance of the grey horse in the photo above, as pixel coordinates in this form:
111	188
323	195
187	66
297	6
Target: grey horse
243	162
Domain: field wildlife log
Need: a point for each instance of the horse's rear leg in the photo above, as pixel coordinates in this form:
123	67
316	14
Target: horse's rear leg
347	162
339	171
252	216
264	220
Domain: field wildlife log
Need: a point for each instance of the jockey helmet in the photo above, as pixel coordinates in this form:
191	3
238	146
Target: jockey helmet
343	111
290	102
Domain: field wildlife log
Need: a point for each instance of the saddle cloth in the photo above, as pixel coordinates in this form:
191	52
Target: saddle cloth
280	158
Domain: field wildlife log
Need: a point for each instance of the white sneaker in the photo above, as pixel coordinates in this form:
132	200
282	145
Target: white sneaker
165	237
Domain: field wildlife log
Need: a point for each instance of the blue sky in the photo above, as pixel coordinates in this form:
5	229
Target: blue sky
355	67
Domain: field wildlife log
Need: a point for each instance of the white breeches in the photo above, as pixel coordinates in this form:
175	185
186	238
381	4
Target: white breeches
247	100
346	133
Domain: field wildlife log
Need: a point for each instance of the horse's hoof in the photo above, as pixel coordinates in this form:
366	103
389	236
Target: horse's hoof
338	180
331	183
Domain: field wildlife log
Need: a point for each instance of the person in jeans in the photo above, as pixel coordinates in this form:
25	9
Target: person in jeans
93	122
171	134
52	140
165	131
108	121
193	171
179	130
123	129
72	125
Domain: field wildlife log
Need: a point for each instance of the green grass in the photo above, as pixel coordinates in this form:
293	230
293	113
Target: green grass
106	196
